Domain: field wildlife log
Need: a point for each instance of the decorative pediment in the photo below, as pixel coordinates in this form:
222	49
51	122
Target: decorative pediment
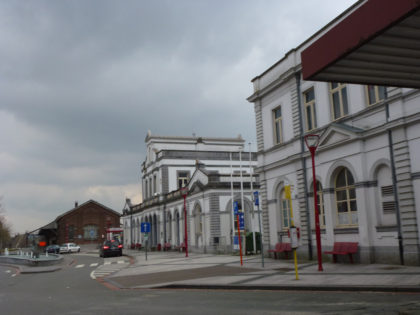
196	187
199	178
338	133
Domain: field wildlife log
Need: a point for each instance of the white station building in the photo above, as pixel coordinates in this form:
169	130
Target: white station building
368	157
212	170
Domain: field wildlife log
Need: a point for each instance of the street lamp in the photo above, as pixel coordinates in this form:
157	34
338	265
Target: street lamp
312	142
184	192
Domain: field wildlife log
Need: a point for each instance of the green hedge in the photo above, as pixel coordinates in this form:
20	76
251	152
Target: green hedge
250	242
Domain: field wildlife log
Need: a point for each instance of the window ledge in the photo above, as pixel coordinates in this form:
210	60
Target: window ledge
323	231
386	228
346	230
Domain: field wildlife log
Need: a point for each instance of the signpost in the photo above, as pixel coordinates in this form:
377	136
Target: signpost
145	228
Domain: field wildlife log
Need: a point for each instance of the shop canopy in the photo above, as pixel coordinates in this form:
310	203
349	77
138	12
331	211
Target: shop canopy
378	43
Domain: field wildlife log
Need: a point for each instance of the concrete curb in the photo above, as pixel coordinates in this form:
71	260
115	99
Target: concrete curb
44	270
406	289
27	270
330	288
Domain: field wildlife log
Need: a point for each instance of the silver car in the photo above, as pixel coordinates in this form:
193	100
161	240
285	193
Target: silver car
69	248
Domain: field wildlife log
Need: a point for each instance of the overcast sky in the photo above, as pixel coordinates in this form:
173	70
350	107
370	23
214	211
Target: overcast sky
81	82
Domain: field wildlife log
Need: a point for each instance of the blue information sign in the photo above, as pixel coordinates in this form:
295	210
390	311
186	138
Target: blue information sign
235	240
235	208
241	221
145	227
256	198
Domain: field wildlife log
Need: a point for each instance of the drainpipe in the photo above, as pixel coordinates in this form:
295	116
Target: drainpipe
394	186
131	227
303	162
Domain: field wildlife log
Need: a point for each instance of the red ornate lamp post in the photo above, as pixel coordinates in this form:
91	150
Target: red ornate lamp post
184	192
312	142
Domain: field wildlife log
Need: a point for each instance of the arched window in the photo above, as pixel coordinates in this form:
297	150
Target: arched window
285	217
71	232
345	196
198	220
90	232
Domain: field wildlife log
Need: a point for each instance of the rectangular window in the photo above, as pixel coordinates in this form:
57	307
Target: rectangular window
182	178
338	96
278	136
309	103
375	94
71	233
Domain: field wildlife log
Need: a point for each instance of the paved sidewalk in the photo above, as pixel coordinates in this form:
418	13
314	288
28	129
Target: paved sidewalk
174	270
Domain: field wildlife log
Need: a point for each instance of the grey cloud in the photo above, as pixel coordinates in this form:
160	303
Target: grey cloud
82	81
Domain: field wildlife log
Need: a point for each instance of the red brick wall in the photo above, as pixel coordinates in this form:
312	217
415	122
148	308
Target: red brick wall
88	214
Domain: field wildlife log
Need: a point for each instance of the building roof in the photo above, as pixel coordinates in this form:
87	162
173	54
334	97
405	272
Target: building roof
378	43
84	204
149	137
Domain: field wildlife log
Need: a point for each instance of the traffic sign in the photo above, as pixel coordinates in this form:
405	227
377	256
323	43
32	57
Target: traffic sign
145	227
256	198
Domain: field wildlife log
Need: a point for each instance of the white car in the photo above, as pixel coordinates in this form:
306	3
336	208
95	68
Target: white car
69	248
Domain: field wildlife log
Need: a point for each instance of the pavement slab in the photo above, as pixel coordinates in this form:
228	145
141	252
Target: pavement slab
174	270
177	275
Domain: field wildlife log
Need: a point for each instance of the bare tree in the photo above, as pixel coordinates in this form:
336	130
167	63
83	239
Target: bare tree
4	227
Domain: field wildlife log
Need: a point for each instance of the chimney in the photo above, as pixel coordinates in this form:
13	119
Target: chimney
76	204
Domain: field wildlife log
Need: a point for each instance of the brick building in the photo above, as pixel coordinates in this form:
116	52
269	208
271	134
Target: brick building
84	224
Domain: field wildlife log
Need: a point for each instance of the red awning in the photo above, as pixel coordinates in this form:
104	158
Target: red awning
378	43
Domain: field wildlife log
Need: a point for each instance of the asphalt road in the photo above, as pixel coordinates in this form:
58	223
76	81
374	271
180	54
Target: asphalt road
73	291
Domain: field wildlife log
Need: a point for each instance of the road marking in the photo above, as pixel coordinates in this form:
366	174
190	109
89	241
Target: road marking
14	275
94	265
106	269
80	266
8	271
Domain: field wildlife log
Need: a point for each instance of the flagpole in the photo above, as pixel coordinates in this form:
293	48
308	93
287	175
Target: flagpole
242	192
252	199
231	196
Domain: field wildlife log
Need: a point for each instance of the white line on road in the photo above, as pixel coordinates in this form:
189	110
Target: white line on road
94	265
121	261
8	271
107	263
80	266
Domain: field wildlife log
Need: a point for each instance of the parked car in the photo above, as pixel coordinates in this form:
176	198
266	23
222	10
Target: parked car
53	249
69	248
110	248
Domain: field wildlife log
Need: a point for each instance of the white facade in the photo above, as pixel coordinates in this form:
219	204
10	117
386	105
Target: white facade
363	143
207	167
